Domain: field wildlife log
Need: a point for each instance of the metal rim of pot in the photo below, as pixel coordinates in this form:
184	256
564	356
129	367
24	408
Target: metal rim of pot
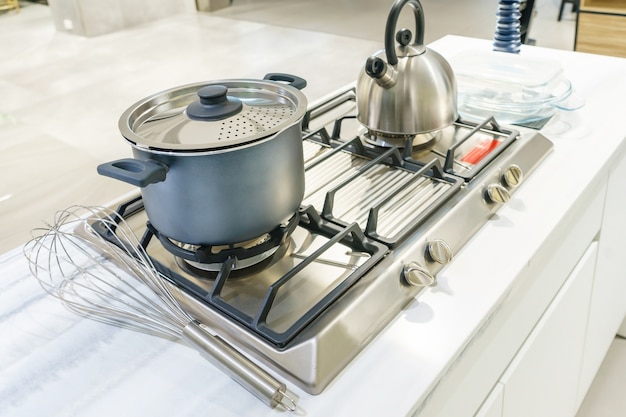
216	116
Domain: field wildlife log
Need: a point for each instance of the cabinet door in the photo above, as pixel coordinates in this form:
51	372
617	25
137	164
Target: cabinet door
492	407
542	379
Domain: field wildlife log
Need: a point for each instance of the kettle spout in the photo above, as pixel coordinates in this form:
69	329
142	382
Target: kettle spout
384	74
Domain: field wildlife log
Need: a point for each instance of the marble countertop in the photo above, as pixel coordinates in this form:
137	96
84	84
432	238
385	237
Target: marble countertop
56	364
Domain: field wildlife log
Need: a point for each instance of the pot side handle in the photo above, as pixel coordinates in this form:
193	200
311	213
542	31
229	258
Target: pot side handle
292	80
134	171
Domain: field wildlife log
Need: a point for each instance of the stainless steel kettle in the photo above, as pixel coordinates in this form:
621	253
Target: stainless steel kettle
414	90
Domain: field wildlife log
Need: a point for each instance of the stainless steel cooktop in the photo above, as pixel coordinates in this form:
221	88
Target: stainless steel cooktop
379	220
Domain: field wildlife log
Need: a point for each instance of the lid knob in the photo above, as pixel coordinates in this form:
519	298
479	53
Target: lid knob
403	37
213	104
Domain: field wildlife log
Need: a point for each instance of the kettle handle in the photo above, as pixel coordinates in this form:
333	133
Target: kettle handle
392	21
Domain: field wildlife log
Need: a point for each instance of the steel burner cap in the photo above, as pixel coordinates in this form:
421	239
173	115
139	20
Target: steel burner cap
217	266
419	141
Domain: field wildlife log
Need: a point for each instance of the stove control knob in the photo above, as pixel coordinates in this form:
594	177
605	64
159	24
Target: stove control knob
417	275
438	251
512	176
496	193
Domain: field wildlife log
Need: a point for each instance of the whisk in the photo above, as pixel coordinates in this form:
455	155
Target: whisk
113	280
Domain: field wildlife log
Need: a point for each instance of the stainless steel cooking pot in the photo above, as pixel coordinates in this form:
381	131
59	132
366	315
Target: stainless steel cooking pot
414	90
218	162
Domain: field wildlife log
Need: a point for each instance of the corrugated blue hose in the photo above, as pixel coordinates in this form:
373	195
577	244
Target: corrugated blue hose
507	37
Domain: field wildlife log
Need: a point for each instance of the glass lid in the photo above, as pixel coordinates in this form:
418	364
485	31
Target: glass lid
212	116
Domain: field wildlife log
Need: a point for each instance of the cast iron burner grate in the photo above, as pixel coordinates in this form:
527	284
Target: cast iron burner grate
474	147
386	196
212	295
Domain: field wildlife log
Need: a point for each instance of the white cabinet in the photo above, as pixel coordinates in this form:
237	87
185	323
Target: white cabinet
555	366
542	379
608	304
493	349
492	407
539	351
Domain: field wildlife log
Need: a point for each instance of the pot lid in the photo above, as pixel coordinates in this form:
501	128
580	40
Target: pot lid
211	116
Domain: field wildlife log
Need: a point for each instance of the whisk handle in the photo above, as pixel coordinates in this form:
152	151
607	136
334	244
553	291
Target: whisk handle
264	386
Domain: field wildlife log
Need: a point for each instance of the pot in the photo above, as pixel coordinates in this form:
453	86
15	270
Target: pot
414	90
219	162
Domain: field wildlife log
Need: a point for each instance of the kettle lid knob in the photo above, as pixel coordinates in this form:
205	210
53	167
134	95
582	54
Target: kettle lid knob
403	37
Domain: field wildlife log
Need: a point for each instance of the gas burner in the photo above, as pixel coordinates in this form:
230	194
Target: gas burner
240	252
240	268
421	141
242	255
208	270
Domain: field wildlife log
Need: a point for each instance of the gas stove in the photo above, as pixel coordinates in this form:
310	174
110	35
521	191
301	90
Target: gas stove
379	220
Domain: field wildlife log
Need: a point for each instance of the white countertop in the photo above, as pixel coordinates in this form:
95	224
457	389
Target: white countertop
55	364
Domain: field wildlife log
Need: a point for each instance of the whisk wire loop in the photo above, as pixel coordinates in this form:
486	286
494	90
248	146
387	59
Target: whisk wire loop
113	280
69	259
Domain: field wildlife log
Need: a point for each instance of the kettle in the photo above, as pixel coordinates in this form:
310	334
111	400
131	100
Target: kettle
414	91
